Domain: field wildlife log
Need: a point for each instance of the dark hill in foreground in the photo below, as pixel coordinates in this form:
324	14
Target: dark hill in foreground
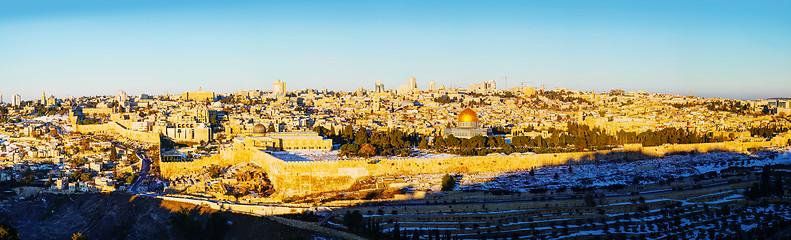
120	216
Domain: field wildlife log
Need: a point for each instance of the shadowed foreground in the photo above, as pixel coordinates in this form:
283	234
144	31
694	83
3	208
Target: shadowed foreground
117	216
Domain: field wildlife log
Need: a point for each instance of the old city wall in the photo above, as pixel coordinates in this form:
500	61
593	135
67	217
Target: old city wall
305	178
116	129
271	165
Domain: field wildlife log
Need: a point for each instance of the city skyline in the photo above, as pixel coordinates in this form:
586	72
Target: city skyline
708	49
507	119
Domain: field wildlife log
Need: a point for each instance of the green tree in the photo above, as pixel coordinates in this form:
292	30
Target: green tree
235	194
78	236
353	221
361	137
113	154
423	143
215	171
366	150
131	178
7	232
448	182
348	133
349	150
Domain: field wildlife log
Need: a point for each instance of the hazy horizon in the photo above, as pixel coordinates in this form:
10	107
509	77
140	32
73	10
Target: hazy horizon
722	49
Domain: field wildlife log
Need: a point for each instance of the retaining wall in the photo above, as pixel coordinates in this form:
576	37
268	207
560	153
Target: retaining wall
117	129
304	178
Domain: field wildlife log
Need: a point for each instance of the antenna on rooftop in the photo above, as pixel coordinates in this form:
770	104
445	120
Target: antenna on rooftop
506	82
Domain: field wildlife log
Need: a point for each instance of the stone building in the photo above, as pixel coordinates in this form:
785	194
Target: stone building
200	95
289	141
467	126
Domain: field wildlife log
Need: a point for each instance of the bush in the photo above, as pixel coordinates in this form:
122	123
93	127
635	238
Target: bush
215	171
8	232
78	236
448	182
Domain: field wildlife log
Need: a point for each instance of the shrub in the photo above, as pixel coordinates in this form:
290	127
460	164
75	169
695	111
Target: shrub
448	182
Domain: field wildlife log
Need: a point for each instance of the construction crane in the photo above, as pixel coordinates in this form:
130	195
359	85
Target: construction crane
543	86
506	82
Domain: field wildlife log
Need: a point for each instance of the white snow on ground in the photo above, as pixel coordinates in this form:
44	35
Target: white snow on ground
748	227
734	197
289	156
52	118
625	173
10	147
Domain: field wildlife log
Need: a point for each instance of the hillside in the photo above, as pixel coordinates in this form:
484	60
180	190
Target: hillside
119	216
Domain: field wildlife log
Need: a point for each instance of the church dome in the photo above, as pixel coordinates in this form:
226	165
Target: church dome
468	115
259	128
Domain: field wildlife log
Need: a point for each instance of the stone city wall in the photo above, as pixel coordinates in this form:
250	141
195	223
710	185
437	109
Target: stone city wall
310	177
114	128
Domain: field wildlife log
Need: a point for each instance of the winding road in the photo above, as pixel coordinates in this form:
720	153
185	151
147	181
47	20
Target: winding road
145	166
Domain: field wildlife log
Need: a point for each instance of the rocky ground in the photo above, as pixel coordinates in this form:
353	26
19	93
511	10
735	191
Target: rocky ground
121	216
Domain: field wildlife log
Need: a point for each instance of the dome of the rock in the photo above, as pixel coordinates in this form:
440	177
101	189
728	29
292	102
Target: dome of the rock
468	115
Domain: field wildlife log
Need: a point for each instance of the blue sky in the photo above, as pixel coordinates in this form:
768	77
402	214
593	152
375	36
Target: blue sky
734	49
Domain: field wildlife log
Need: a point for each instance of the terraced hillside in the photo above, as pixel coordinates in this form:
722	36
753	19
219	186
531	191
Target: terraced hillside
710	201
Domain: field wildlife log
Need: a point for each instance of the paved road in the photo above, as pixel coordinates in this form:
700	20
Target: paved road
145	166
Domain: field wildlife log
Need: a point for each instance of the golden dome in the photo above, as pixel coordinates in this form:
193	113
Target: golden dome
468	115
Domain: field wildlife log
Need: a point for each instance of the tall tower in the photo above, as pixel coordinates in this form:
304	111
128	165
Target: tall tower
279	88
402	89
411	84
43	98
379	87
432	86
122	97
1	98
16	100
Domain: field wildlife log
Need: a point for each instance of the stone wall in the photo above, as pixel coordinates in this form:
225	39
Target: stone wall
114	128
304	178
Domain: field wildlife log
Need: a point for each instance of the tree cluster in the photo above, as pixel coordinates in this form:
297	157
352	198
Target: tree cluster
478	145
665	136
771	184
563	96
372	229
81	175
7	232
766	130
617	92
89	121
444	99
728	106
364	143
